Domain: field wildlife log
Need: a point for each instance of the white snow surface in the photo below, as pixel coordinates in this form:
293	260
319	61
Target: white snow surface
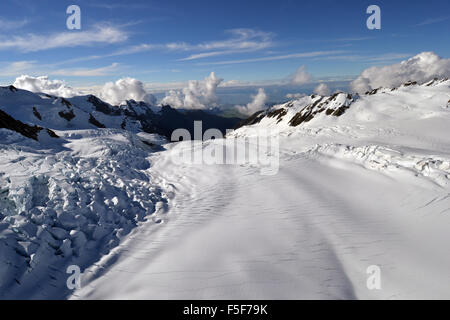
368	187
68	203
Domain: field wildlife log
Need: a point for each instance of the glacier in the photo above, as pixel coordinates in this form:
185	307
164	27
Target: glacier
363	181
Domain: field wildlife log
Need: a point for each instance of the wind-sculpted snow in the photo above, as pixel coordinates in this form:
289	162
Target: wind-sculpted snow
390	161
362	181
361	188
68	206
308	232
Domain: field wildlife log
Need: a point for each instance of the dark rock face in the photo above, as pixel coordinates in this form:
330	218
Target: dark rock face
51	133
66	103
410	83
209	121
169	119
37	114
68	115
95	122
299	118
103	107
279	113
140	114
163	122
374	91
310	111
340	111
253	119
8	122
436	80
329	106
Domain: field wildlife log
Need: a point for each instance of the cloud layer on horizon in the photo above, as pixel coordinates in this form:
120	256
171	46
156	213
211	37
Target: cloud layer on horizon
421	68
202	94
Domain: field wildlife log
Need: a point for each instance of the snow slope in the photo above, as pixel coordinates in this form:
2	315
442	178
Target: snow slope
366	183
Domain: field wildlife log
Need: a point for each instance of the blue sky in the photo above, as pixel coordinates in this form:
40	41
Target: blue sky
244	41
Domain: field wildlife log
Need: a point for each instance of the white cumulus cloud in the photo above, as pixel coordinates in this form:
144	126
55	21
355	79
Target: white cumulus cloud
197	95
124	89
421	68
258	103
301	76
322	89
45	85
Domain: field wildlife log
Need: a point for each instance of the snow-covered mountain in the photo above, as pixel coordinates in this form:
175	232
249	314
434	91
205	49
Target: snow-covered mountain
363	180
406	103
39	111
377	130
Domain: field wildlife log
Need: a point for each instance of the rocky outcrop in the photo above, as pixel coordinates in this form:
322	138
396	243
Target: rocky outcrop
68	115
95	122
8	122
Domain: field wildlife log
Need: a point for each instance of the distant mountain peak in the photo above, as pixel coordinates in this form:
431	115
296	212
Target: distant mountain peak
29	113
380	103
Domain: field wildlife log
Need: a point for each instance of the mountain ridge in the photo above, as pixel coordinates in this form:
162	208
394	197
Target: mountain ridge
29	113
303	111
